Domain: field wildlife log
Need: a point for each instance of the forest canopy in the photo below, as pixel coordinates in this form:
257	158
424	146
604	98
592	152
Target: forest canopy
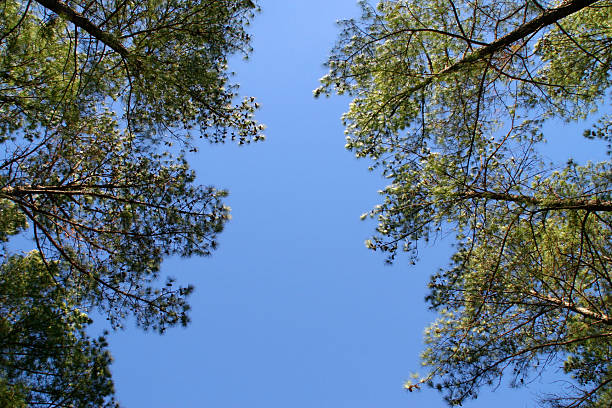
449	102
99	101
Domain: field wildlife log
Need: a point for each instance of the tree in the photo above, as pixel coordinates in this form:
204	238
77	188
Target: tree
99	102
46	358
449	102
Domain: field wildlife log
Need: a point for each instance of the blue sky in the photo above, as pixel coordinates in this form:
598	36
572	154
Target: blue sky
292	310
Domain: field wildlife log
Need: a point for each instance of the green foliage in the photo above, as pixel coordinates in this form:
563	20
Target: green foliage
449	100
45	355
99	102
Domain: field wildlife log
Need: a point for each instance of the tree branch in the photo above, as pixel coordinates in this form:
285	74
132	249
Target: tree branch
546	18
559	204
569	305
63	10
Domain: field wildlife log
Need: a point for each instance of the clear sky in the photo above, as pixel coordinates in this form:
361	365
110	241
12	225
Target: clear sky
292	310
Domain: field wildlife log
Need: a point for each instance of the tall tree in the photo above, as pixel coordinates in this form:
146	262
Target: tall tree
99	101
449	102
